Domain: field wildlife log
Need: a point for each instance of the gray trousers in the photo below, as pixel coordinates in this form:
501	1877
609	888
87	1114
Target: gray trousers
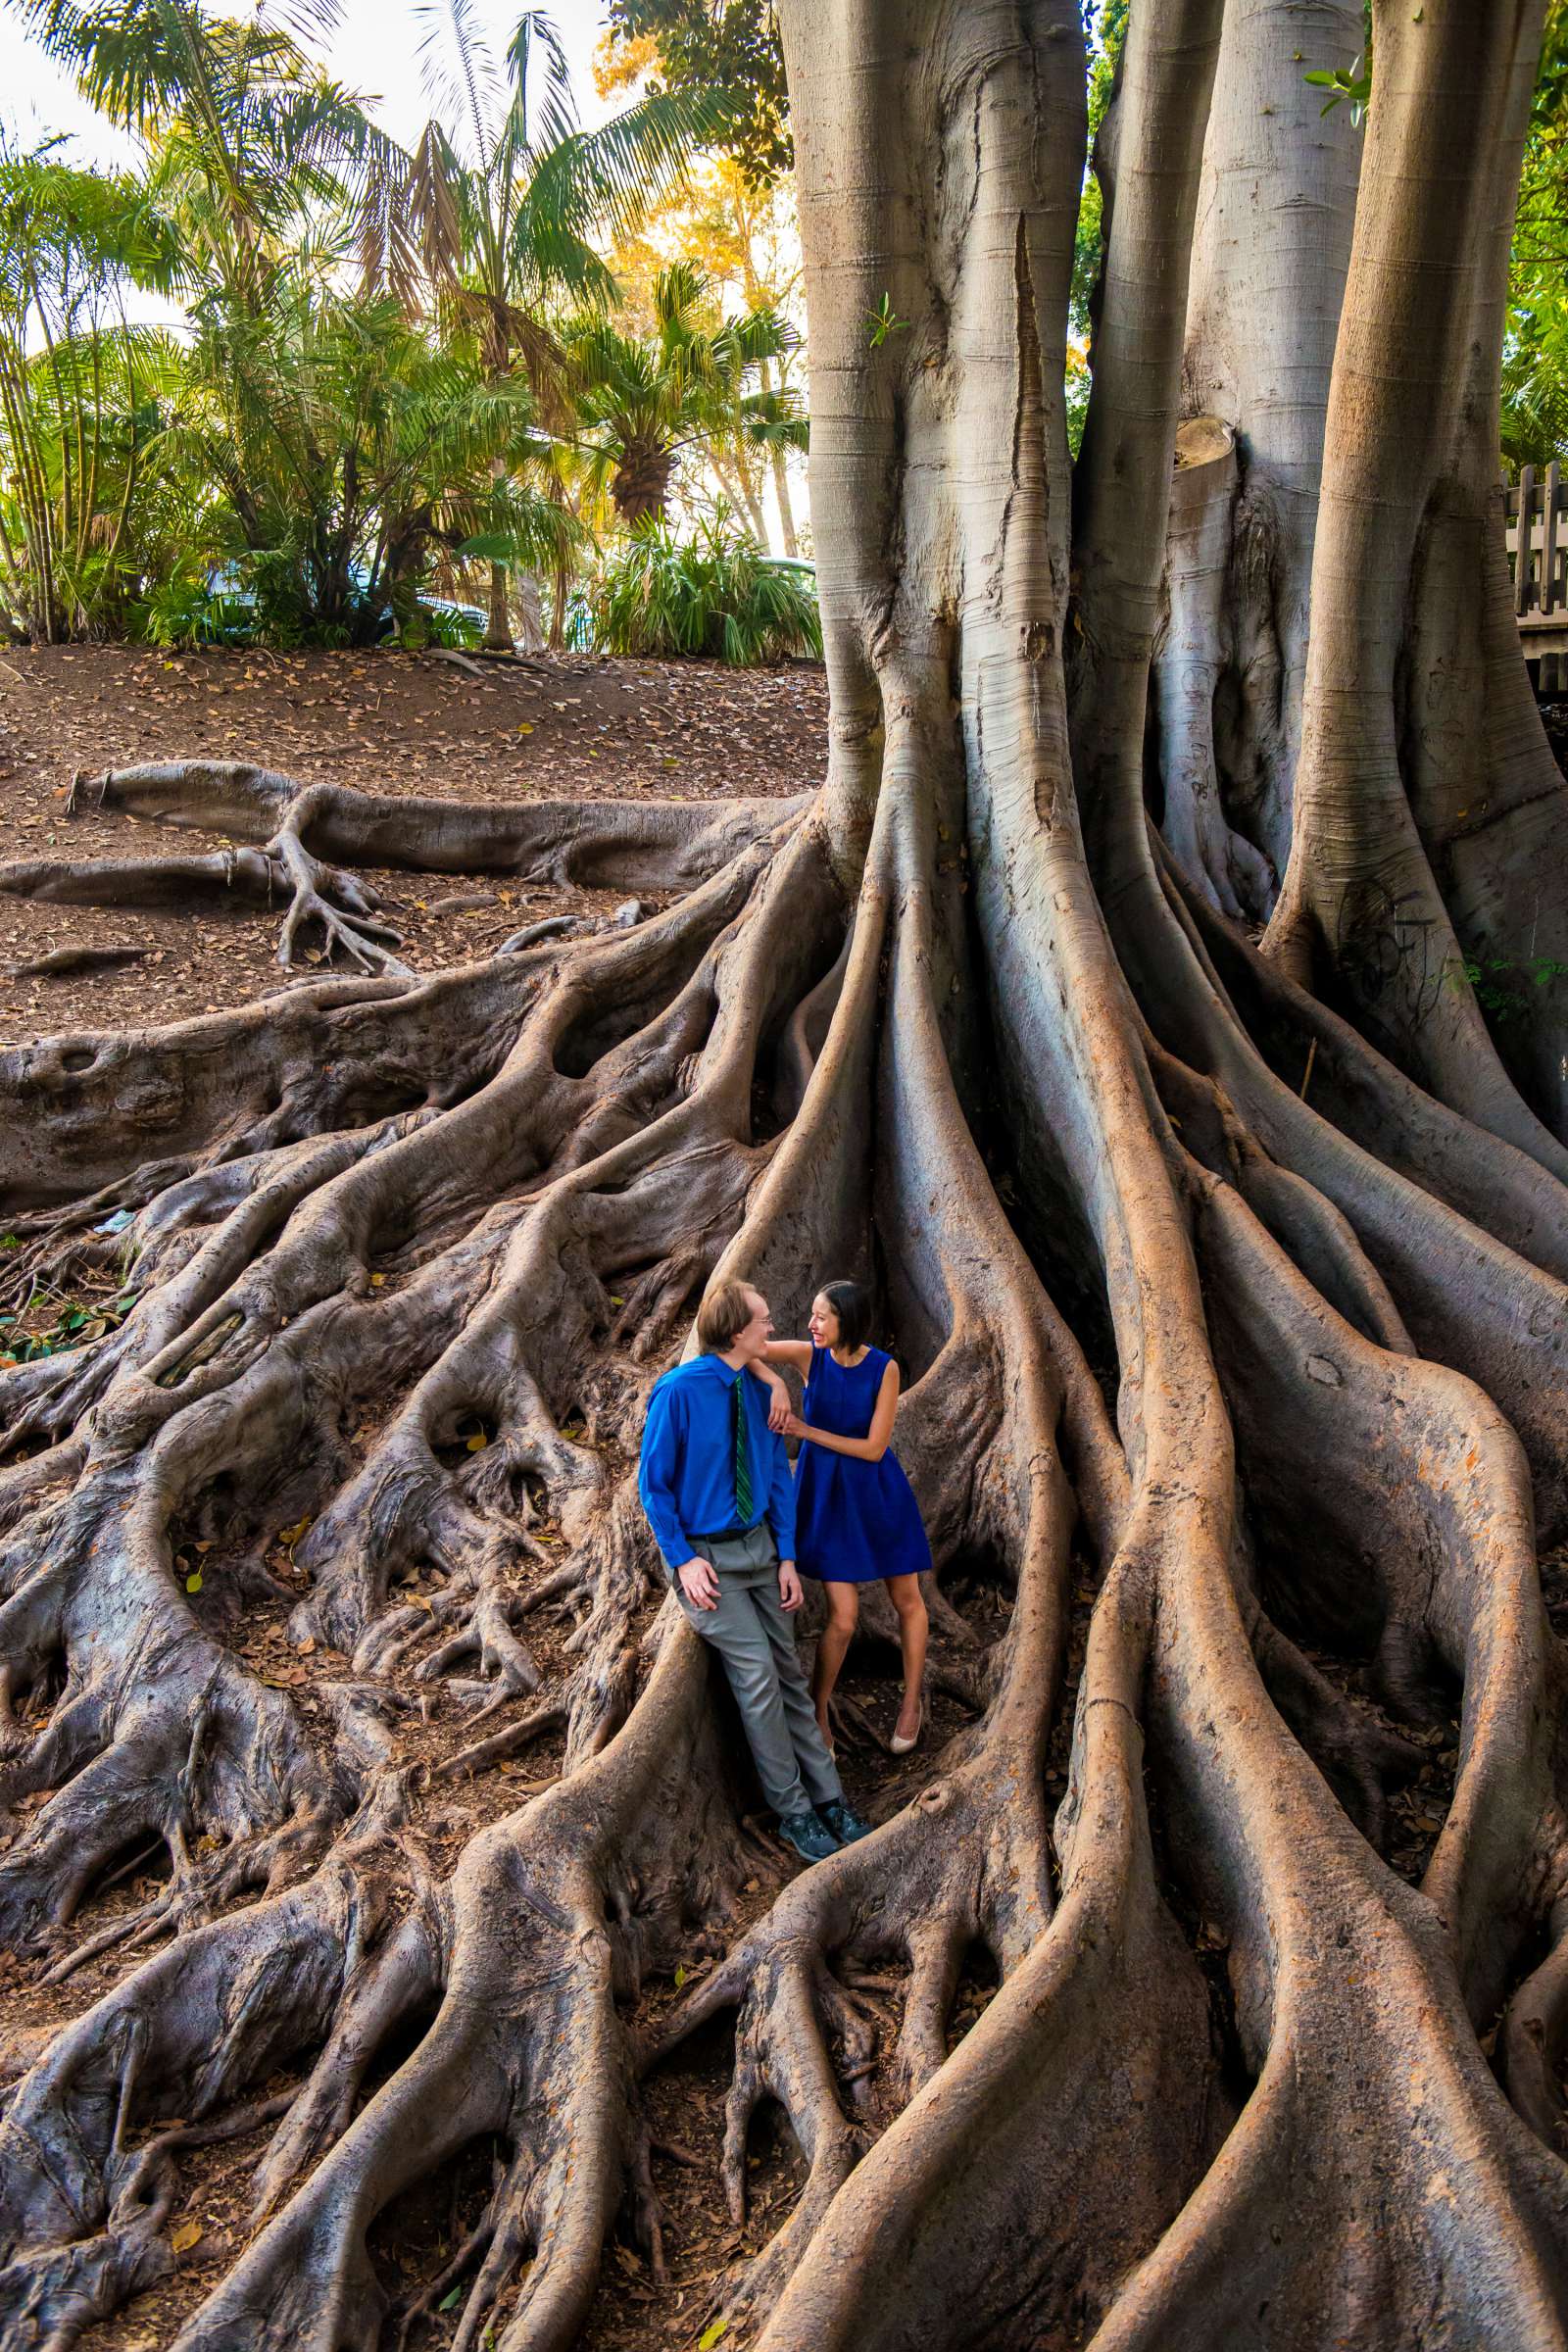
756	1639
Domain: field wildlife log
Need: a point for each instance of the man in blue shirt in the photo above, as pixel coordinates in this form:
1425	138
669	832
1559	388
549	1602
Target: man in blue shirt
715	1482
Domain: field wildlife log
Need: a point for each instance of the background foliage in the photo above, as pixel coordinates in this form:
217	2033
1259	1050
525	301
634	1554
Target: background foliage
517	379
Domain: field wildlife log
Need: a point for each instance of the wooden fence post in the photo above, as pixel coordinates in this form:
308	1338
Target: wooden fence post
1521	570
1550	598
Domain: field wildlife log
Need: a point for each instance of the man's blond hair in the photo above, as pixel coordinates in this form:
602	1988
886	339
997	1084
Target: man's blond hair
724	1315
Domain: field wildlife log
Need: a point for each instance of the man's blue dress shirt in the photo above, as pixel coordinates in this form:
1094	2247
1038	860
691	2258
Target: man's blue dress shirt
686	1477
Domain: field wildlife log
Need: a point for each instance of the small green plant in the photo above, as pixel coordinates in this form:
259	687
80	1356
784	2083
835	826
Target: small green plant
1350	83
422	624
1500	982
883	322
716	595
184	613
72	1327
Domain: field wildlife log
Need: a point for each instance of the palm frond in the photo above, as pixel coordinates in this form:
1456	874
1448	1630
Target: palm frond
128	56
774	421
552	116
460	71
609	178
408	228
308	20
1534	391
551	257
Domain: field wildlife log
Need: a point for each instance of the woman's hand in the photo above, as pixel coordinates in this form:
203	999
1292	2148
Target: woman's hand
791	1426
778	1399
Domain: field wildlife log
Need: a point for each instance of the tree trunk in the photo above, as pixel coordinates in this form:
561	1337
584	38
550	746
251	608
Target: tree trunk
786	507
530	610
640	485
1271	246
408	1253
1409	598
781	480
731	479
498	623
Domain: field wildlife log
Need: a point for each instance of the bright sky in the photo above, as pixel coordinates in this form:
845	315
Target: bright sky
374	51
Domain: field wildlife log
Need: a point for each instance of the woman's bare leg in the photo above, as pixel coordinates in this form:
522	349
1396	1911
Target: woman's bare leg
843	1614
913	1626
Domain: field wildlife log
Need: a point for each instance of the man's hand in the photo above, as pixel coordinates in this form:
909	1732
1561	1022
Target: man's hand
779	1399
790	1596
700	1586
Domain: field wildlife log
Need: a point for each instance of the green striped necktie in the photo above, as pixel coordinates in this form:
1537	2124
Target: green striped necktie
743	1460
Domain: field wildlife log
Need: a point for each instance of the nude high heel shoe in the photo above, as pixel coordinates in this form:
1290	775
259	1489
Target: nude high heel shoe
901	1747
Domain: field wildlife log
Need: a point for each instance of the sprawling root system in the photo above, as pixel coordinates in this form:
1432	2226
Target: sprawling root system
401	1281
367	1802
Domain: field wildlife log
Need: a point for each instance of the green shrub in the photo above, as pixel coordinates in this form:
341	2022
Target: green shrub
187	610
1500	982
717	594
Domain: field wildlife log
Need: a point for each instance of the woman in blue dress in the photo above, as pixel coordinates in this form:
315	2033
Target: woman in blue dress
856	1516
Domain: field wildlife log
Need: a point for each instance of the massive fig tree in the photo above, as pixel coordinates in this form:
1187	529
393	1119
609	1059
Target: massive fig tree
1231	1273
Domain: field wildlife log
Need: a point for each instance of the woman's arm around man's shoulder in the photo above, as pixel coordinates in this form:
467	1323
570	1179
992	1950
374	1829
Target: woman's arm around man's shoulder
780	1403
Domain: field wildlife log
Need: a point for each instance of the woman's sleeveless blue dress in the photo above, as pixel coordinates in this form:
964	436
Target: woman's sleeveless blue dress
854	1521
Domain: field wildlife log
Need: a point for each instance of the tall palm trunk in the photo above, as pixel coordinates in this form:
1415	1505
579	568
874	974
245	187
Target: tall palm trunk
498	628
781	479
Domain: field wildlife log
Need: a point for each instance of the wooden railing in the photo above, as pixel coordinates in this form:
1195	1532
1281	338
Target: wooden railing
1537	511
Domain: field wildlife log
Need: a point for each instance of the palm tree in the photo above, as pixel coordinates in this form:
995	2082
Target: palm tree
80	387
743	236
494	213
355	455
252	149
642	400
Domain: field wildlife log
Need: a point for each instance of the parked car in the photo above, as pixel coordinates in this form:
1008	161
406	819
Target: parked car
228	616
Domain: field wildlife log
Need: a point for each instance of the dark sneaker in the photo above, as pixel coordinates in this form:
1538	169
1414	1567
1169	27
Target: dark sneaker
810	1836
845	1825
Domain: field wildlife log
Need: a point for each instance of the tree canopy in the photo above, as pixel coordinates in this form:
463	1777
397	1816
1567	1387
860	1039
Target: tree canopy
731	49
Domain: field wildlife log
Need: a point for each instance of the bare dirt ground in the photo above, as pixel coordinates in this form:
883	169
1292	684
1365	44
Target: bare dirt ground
413	724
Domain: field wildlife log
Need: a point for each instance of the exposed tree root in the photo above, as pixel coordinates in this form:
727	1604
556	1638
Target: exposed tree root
526	2039
291	829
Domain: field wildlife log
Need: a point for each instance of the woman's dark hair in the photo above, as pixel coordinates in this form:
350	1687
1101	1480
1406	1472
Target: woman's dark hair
851	1301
